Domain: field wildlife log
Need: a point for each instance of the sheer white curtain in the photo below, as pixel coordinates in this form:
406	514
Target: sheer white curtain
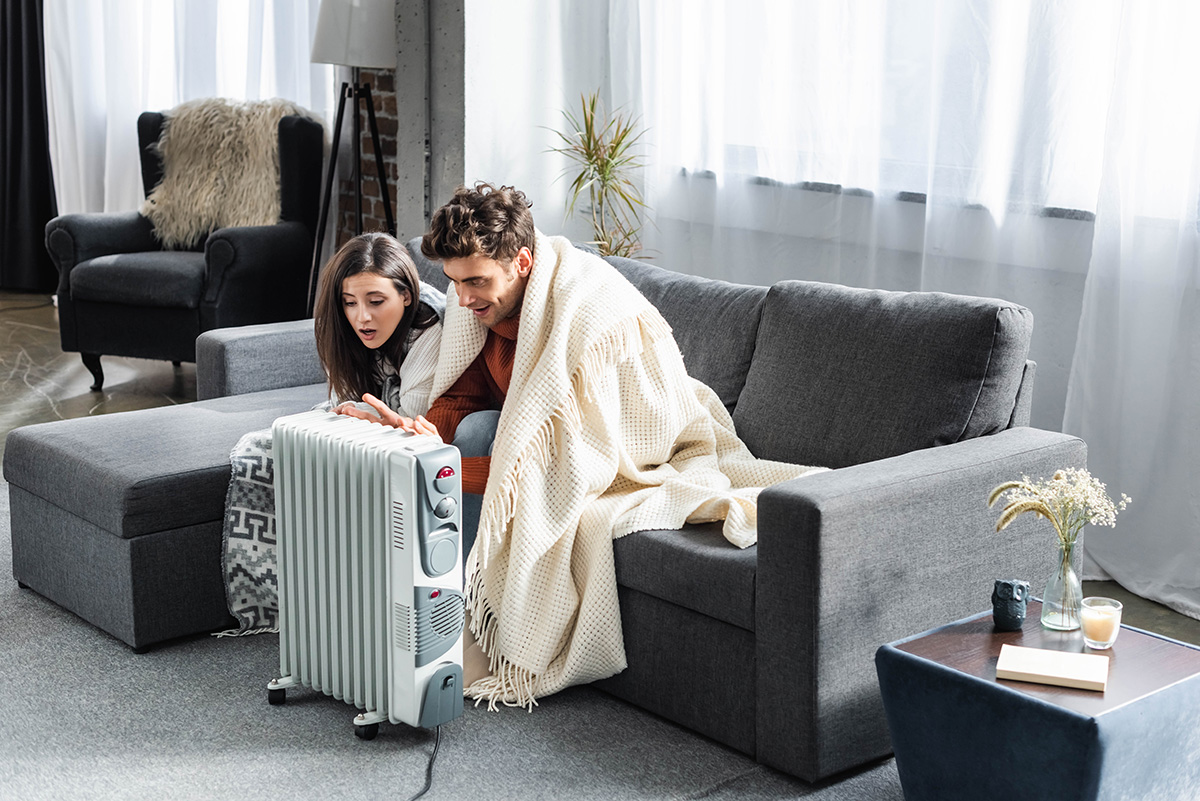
901	144
1045	152
1135	378
109	60
526	62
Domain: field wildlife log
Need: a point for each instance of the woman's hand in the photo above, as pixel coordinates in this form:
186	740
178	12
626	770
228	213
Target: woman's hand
385	415
351	410
416	426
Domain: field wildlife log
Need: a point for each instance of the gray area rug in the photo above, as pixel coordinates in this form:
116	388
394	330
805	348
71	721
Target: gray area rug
83	717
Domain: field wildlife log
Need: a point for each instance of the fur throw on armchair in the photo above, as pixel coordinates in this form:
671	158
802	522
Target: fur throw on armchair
220	162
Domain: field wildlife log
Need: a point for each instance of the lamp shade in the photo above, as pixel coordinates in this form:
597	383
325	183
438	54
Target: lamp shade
356	33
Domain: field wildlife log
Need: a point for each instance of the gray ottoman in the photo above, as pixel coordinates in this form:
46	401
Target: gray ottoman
118	517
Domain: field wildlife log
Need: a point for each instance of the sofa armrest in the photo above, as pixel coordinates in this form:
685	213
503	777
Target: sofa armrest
857	557
250	358
250	269
75	238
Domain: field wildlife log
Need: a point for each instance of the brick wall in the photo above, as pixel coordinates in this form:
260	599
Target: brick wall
383	93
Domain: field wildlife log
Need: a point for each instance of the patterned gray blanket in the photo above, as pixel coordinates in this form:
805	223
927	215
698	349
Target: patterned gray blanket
251	580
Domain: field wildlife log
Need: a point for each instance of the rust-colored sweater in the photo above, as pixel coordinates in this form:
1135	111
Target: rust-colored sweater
483	385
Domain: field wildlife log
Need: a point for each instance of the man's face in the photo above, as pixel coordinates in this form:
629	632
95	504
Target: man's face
491	289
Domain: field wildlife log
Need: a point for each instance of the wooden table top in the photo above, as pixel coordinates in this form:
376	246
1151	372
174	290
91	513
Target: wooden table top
1140	663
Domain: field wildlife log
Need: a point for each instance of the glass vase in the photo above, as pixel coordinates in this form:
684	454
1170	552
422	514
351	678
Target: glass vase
1064	593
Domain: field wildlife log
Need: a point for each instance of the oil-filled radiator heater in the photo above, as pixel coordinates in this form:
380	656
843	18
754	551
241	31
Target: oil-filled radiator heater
371	608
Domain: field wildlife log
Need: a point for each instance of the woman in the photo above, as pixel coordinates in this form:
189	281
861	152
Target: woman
378	330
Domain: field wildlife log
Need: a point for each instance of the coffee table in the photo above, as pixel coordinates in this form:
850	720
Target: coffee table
958	732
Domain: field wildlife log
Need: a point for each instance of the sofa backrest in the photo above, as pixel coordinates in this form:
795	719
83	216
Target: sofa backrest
430	271
843	376
828	375
715	322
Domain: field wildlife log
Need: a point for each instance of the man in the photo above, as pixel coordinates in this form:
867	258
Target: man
599	432
485	240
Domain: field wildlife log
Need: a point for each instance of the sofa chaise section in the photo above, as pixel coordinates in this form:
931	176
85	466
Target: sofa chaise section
118	517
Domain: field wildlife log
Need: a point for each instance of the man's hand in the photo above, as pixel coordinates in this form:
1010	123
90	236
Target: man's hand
422	426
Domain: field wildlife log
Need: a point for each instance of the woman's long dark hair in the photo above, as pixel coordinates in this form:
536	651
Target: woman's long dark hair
349	364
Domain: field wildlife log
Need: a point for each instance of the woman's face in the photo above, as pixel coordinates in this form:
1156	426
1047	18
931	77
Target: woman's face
373	307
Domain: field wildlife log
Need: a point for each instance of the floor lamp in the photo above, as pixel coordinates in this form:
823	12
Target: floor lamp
355	34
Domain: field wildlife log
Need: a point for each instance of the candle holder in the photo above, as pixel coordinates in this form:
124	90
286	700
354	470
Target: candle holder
1100	619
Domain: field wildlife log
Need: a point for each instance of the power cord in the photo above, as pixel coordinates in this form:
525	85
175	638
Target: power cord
437	741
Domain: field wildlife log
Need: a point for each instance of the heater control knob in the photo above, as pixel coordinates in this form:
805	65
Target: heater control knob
445	479
445	508
443	557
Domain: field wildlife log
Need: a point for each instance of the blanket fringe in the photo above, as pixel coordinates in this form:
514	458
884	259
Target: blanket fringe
247	632
620	343
508	684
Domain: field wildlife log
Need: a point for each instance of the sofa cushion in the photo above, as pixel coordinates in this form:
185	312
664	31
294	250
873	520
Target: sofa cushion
696	568
138	472
843	376
715	322
172	279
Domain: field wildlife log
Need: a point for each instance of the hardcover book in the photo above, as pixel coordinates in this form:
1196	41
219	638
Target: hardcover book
1042	666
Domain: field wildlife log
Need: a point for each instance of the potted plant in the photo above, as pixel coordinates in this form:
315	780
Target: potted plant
602	149
1069	500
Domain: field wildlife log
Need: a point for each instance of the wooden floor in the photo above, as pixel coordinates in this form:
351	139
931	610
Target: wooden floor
39	383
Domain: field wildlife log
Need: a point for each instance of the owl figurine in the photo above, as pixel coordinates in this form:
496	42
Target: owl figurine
1009	598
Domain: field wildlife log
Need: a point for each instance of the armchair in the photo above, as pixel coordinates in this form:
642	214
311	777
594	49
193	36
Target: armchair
120	293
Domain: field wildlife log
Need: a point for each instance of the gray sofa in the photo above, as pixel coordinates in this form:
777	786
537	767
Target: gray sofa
919	401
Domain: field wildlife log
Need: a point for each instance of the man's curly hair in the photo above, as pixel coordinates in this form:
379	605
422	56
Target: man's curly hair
484	220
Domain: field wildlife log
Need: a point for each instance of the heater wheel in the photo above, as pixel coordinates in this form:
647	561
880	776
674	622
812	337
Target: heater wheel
367	732
276	697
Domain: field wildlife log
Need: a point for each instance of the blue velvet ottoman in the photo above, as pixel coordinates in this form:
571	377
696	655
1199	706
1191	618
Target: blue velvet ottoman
959	733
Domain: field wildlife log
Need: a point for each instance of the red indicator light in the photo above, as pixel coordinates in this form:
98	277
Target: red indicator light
435	594
446	472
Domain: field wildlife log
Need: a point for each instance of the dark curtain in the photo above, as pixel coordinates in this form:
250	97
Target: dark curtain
26	188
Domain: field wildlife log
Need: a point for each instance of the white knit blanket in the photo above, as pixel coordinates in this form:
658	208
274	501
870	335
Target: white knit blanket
220	163
602	433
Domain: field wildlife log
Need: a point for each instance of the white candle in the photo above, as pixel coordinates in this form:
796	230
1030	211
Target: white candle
1101	621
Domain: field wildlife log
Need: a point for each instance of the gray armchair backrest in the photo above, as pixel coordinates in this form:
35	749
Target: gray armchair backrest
149	126
301	156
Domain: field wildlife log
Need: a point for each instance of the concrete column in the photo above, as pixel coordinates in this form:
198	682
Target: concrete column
447	101
430	95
